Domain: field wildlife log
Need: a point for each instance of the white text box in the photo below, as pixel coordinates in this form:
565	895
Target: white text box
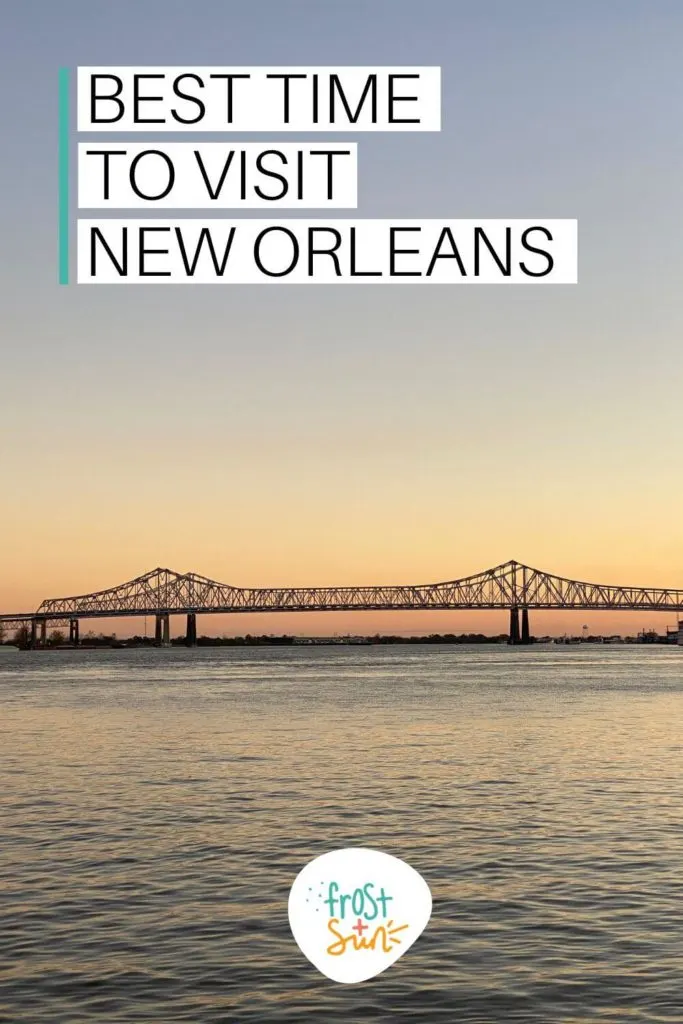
258	99
206	175
241	251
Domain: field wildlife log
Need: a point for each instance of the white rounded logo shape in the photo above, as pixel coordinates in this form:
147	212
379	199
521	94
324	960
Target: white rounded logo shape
354	912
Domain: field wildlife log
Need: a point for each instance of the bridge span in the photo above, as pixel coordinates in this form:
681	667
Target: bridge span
512	585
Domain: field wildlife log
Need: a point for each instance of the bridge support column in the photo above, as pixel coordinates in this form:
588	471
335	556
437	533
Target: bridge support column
165	630
34	633
157	628
191	631
74	636
525	638
514	626
43	633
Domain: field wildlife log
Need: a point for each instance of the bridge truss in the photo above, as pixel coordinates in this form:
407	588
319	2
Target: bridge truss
511	585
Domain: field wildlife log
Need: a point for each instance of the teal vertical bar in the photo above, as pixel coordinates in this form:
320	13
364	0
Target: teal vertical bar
63	175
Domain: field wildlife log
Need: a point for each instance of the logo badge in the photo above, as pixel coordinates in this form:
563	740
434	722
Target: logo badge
354	912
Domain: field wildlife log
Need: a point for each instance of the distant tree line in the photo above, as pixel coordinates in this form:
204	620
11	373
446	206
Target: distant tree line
57	638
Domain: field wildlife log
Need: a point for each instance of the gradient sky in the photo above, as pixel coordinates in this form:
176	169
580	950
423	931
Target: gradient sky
321	435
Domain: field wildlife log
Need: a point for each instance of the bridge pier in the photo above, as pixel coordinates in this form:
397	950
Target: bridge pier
38	639
191	630
516	637
514	626
74	634
162	629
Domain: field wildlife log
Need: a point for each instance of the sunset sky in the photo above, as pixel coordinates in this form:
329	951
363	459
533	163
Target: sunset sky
359	435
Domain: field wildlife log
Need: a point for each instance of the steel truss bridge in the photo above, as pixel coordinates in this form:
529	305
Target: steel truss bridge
512	585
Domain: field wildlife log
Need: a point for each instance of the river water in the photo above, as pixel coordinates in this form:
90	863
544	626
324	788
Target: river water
157	805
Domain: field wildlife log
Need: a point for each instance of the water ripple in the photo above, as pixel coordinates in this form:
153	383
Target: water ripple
156	806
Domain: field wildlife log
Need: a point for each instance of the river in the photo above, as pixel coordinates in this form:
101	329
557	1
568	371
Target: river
157	805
